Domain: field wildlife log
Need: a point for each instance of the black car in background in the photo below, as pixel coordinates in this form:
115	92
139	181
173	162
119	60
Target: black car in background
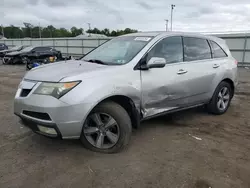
31	53
3	46
14	49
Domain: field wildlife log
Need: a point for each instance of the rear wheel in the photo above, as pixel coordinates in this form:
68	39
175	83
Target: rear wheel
221	99
107	129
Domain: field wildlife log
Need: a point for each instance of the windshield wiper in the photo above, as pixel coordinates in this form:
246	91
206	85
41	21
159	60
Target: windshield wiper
97	61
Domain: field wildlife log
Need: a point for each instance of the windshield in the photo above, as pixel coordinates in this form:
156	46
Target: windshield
27	49
118	51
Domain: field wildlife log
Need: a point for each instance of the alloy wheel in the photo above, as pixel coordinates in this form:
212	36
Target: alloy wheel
101	130
223	99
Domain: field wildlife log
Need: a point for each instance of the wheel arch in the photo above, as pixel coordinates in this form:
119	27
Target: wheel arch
128	104
228	80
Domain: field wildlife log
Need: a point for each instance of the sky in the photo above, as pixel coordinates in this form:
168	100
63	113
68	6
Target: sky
143	15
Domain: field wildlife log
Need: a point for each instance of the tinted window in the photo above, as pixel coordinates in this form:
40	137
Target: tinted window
169	48
196	49
27	49
217	50
39	49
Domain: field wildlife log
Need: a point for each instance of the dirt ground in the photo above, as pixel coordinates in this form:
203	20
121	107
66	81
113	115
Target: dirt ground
164	152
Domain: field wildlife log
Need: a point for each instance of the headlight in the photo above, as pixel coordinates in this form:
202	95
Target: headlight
56	90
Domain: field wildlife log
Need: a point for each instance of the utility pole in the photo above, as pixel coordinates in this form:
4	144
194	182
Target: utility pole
30	32
89	28
172	9
166	24
2	30
40	34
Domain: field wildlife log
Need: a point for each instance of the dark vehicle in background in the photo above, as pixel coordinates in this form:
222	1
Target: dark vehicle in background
14	49
3	46
31	53
37	62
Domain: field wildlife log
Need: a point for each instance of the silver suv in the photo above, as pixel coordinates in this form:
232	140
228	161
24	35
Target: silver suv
103	95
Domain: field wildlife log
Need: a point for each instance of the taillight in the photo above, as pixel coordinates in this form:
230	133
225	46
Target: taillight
236	62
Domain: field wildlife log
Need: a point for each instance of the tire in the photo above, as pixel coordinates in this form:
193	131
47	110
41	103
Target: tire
28	66
213	106
122	123
16	61
3	62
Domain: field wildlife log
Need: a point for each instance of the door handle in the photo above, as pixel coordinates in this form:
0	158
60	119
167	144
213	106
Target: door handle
216	66
181	71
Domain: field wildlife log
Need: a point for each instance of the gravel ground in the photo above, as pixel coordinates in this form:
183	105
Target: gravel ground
164	152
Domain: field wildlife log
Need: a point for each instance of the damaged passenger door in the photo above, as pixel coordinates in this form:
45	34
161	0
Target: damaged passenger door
164	88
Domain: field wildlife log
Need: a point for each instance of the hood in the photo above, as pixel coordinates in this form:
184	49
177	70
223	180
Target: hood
54	72
14	53
4	51
7	51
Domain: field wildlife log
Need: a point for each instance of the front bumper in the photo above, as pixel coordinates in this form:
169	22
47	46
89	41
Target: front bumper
2	55
33	125
66	119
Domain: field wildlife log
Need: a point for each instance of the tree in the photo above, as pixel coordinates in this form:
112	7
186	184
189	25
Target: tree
113	33
50	31
64	32
106	32
28	27
128	30
13	32
75	31
35	32
94	31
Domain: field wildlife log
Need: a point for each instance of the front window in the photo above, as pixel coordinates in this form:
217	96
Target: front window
41	49
170	49
118	51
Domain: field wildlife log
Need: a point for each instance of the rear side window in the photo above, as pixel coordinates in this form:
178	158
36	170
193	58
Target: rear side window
169	48
40	49
196	49
217	50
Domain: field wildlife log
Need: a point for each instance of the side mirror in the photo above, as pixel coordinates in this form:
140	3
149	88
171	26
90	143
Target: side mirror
156	62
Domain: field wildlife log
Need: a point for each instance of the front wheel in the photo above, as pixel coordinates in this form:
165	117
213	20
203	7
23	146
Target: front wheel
107	128
221	99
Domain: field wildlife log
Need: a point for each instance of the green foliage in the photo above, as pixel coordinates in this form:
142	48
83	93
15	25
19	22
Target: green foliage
50	31
113	33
